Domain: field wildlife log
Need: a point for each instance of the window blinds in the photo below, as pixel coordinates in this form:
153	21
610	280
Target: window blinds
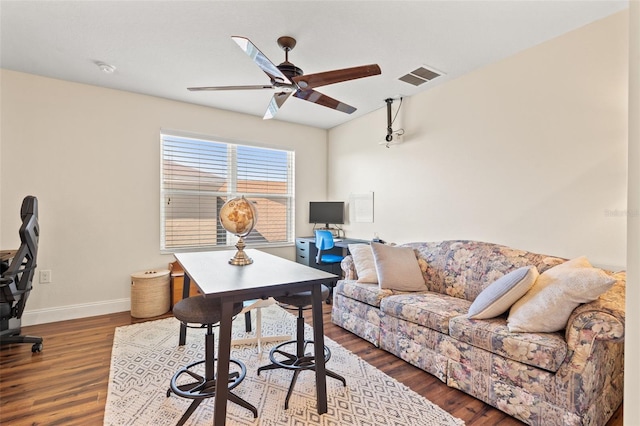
199	176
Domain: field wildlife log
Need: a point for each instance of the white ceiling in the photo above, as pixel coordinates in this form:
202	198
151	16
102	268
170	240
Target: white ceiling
161	47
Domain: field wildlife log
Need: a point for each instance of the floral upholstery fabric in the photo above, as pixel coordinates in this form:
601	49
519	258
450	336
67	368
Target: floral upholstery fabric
357	317
538	397
573	377
464	268
604	318
543	350
422	347
370	294
433	310
349	268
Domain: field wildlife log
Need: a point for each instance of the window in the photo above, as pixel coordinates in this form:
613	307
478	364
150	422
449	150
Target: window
200	175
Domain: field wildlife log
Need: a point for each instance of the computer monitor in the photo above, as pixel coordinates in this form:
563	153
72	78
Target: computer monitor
327	212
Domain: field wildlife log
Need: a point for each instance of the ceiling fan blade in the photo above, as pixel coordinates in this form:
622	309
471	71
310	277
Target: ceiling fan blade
275	104
330	77
324	100
261	60
257	87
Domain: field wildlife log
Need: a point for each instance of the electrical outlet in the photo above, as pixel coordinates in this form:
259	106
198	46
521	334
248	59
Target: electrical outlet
45	276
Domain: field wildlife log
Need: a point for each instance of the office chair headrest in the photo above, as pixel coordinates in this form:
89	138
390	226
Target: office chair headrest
29	206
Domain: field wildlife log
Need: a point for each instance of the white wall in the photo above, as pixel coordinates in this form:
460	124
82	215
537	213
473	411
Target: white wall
92	157
632	341
530	152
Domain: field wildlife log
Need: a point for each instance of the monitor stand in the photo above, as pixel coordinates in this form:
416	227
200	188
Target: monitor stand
336	232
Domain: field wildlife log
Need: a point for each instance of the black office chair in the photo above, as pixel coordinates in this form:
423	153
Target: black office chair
300	359
324	242
17	278
189	382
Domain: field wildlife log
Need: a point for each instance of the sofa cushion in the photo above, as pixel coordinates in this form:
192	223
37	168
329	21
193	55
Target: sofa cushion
502	293
432	310
364	263
555	294
370	294
397	268
357	317
422	347
542	350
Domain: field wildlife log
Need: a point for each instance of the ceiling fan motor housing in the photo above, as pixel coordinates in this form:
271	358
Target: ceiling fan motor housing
290	70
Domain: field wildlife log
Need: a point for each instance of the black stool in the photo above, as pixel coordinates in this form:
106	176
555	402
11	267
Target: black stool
296	358
207	312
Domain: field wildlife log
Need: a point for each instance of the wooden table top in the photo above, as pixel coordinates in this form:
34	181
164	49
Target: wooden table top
7	254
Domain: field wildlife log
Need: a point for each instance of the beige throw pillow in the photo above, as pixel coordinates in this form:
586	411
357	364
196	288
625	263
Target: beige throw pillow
364	263
498	297
555	294
397	268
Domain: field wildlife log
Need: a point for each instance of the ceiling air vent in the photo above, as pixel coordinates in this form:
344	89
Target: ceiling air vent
419	75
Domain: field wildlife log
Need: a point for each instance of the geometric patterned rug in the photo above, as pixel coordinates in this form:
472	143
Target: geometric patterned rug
146	355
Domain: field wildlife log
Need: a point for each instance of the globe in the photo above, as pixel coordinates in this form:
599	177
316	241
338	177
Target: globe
238	216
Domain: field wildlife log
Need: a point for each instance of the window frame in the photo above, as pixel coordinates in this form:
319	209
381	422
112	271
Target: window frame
231	184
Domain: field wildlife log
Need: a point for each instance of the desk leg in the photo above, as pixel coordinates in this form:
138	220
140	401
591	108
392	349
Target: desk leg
185	293
318	338
224	354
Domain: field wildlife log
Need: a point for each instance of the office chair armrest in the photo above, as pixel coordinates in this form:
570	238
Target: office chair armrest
6	292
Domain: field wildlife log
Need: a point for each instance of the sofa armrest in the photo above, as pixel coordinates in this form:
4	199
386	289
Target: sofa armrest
349	268
602	319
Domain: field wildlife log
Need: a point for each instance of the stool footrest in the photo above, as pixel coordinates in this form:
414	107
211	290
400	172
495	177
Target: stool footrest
295	361
203	387
298	361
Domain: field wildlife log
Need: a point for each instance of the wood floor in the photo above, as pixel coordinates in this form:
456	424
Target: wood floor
66	384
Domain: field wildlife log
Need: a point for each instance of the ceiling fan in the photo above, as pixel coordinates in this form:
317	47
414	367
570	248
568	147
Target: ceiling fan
289	80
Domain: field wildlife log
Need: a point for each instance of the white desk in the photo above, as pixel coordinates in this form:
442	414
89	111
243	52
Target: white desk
267	276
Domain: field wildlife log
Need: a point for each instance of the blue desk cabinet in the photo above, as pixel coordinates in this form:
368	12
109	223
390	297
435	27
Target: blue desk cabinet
306	252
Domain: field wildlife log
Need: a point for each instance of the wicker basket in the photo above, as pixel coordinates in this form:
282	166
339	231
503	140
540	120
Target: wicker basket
150	295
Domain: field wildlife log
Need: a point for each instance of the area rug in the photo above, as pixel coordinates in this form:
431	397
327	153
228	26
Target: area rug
146	355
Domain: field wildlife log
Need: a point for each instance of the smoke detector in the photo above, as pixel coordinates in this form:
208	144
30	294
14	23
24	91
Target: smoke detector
105	68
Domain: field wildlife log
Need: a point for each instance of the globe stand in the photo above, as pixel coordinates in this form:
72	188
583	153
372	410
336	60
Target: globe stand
240	258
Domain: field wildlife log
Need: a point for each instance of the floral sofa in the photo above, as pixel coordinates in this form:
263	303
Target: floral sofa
570	377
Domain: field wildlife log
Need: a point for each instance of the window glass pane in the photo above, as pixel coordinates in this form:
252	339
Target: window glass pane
191	221
275	229
262	171
198	176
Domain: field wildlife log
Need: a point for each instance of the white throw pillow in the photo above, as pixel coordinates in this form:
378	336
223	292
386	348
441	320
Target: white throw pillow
397	268
498	297
364	263
555	294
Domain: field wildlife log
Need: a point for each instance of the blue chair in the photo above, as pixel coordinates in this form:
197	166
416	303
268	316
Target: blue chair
324	242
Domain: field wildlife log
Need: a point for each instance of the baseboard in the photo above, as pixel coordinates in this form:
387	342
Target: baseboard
63	313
